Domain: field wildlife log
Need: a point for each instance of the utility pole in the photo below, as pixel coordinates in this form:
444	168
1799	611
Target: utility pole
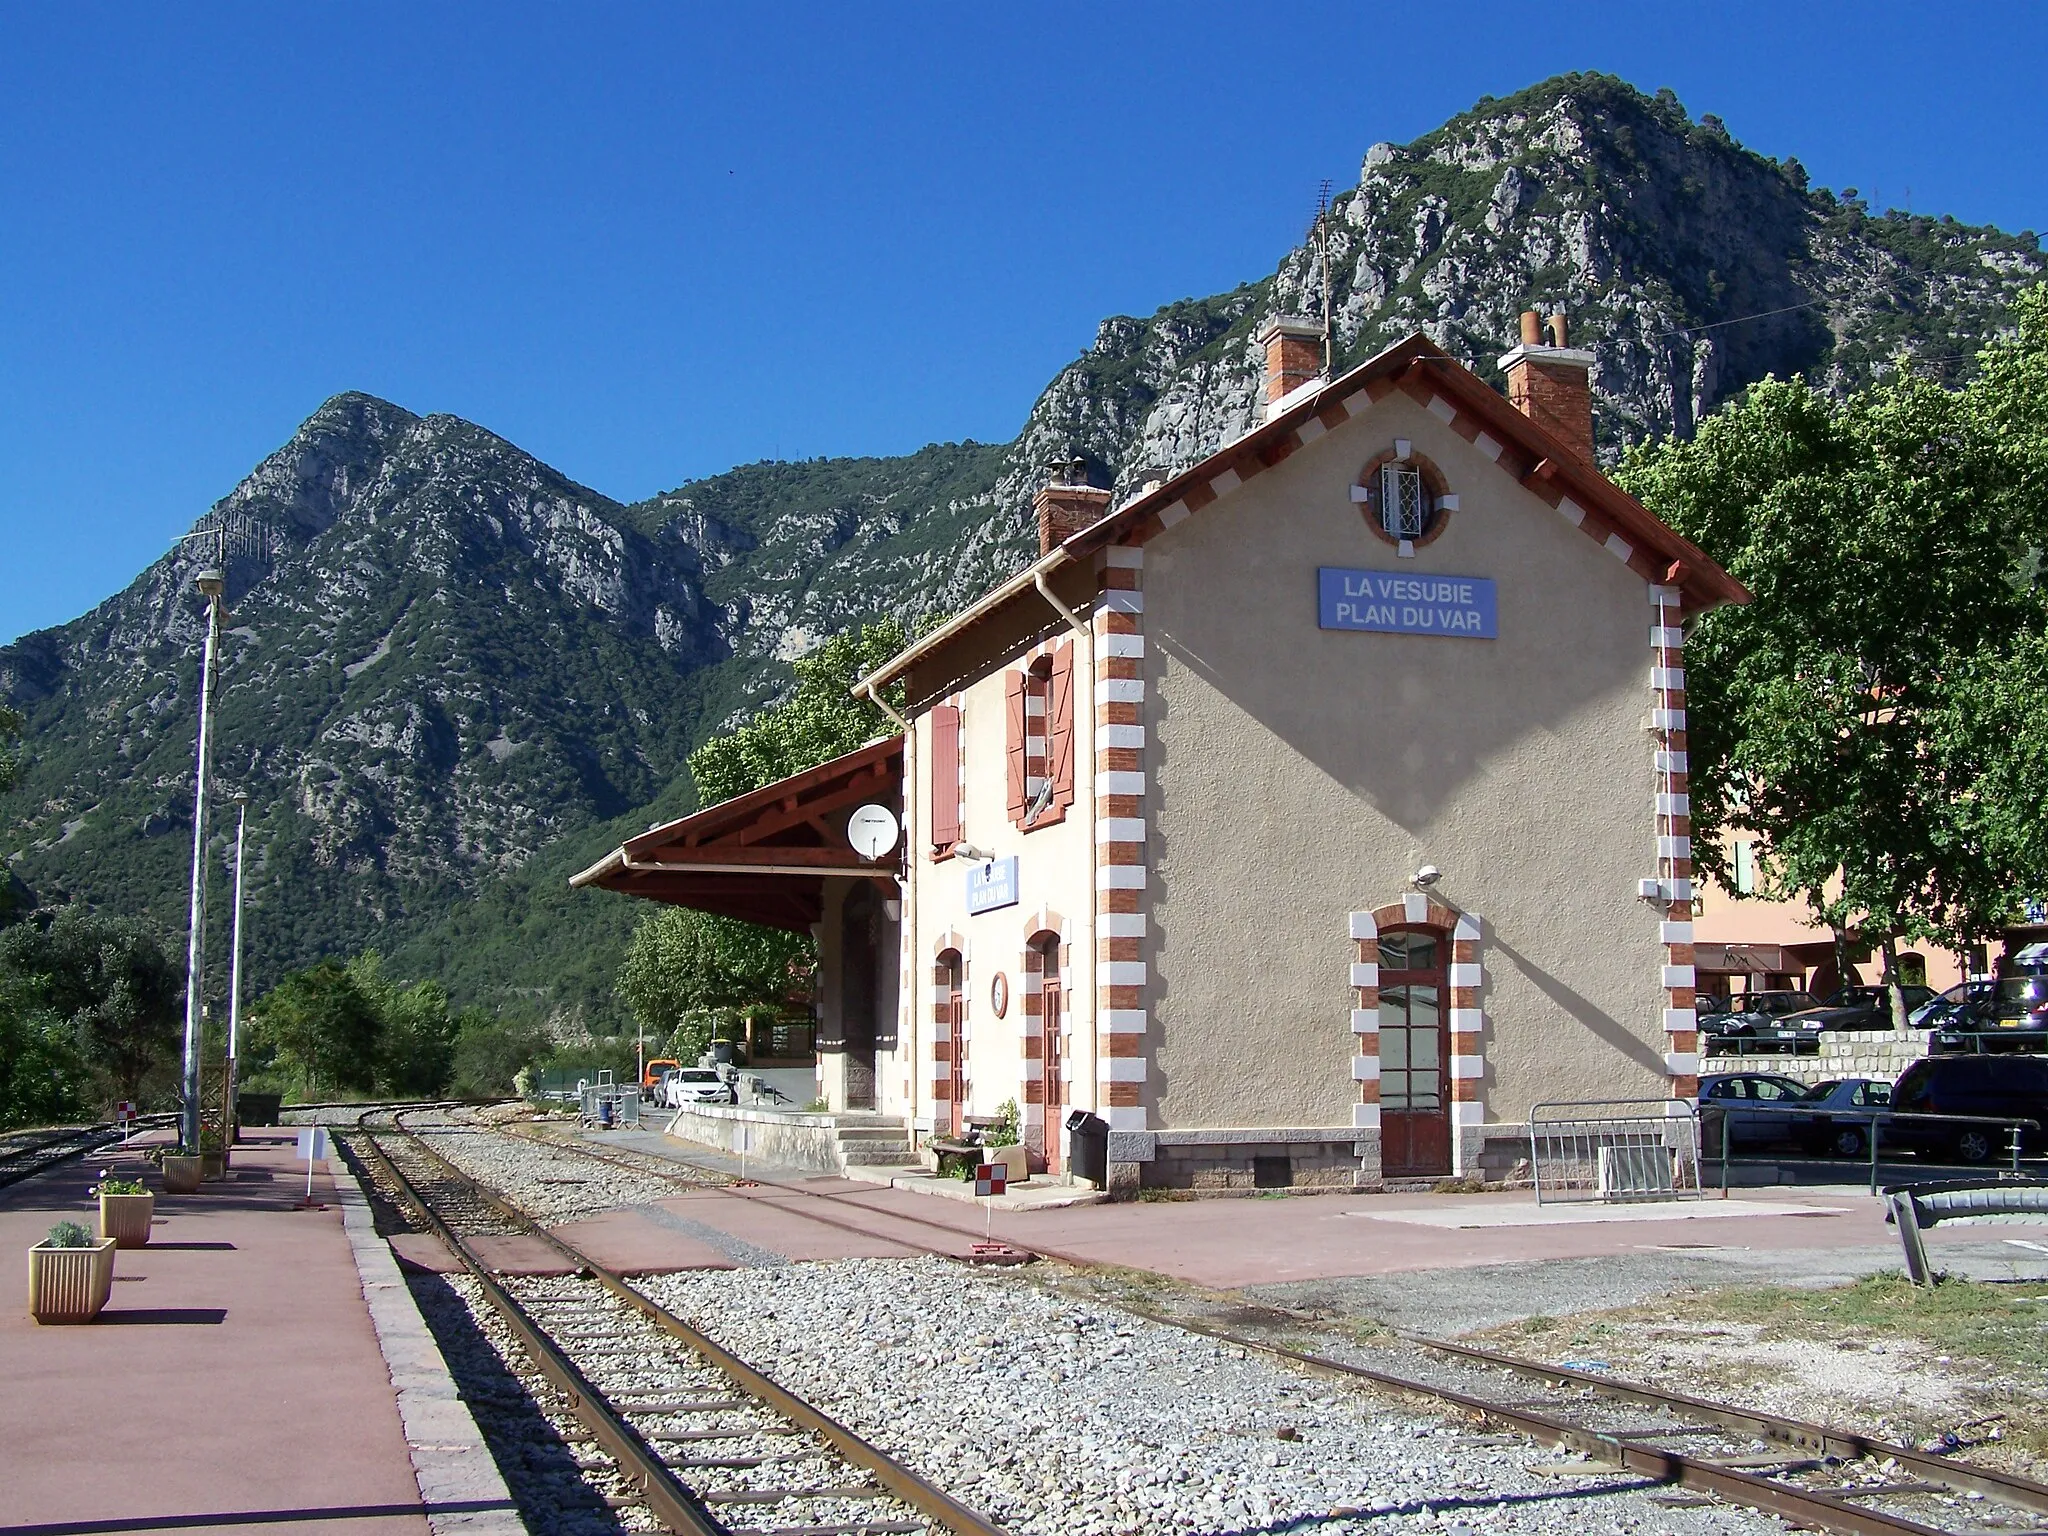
212	584
230	1077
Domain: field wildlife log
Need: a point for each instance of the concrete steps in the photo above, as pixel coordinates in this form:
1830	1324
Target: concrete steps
872	1142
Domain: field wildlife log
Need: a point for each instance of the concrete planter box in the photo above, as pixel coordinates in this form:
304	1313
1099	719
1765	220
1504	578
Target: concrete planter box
125	1219
213	1165
70	1285
182	1175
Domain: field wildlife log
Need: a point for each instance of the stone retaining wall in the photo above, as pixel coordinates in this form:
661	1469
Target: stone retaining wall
1878	1053
809	1142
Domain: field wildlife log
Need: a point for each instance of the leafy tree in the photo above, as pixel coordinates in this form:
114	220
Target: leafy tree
109	980
690	974
1857	716
320	1024
416	1032
10	761
819	721
43	1079
490	1052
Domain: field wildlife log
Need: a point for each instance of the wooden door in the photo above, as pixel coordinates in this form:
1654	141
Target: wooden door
1050	1024
956	1063
1415	1054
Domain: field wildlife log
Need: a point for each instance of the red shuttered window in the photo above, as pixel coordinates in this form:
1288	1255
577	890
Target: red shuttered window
944	779
1059	729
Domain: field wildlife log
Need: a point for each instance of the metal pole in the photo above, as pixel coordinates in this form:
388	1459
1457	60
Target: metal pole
229	1121
195	949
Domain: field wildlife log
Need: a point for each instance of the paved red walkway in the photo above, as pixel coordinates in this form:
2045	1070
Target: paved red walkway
234	1381
1231	1242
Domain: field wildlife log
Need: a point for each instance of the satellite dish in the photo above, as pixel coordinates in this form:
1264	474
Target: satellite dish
872	831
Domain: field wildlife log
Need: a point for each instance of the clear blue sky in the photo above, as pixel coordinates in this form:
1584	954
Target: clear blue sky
648	243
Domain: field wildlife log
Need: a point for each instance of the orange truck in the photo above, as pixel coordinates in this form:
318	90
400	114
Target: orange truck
652	1072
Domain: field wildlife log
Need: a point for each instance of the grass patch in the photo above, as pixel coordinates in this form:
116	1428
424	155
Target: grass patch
2000	1324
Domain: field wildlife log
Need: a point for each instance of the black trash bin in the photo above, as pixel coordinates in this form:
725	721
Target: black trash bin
1088	1148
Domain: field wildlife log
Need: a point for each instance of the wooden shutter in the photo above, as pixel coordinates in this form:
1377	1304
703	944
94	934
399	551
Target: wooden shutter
1013	715
945	777
1059	726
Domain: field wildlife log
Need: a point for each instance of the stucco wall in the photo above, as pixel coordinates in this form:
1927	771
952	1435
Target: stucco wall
1053	875
1299	775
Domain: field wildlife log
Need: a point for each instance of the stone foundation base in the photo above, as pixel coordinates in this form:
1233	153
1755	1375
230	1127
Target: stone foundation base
1230	1160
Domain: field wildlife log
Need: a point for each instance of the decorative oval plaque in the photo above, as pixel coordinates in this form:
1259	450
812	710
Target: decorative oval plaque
999	994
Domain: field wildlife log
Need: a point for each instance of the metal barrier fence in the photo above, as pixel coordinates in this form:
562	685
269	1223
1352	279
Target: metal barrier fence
1614	1150
607	1103
1925	1136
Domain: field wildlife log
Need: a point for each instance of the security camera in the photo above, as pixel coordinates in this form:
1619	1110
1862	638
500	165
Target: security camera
1425	877
969	851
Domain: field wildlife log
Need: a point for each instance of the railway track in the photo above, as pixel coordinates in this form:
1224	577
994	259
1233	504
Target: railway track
1808	1474
25	1154
695	1437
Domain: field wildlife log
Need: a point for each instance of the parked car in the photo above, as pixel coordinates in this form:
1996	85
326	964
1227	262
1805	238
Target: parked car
1939	1008
682	1086
2011	1016
1993	1086
1750	1016
1855	1008
1838	1115
1759	1109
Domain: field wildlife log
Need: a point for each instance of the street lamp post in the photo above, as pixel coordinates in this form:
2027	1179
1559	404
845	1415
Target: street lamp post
212	584
231	1076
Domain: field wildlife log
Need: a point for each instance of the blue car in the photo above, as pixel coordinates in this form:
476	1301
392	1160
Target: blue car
1839	1114
1749	1111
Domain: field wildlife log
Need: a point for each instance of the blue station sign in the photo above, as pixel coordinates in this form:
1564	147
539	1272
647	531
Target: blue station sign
1406	603
992	885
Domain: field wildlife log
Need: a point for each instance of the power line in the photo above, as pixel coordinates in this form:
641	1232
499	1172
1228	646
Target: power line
1715	325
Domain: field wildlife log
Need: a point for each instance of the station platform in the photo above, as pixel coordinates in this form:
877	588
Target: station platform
234	1381
1253	1240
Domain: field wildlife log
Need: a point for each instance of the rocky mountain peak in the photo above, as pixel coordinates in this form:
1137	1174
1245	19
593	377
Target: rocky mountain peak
453	673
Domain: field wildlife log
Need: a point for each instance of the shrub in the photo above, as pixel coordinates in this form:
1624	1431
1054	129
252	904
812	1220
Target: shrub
68	1234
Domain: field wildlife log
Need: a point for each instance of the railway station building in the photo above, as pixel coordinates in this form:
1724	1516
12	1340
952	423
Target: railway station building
1309	817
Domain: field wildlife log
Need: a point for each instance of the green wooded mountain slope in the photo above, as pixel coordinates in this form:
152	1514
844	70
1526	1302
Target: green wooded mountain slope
455	675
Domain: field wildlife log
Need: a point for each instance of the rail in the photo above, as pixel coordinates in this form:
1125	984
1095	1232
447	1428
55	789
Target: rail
1812	1447
677	1507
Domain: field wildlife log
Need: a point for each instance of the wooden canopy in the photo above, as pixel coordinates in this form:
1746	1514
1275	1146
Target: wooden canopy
764	856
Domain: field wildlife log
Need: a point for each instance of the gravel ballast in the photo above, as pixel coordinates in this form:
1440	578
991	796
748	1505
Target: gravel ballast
1054	1415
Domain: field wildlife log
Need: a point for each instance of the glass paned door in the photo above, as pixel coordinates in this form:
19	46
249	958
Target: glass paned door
1415	1087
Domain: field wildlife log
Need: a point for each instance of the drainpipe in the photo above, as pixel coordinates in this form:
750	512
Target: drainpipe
1086	634
875	698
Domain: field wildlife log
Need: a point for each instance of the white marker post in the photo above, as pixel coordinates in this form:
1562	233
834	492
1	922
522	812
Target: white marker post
743	1143
312	1146
990	1180
125	1113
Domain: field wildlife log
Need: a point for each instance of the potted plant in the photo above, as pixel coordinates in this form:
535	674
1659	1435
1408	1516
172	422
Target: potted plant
69	1275
182	1170
126	1209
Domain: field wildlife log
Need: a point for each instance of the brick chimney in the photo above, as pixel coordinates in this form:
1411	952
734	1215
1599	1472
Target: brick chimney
1066	504
1551	385
1294	357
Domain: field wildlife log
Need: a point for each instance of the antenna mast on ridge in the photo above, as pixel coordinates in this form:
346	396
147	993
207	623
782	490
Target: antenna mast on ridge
1319	234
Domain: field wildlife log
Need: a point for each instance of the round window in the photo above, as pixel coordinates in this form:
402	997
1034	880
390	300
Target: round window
1402	497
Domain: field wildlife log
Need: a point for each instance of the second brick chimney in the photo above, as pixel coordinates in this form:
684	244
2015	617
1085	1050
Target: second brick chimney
1067	504
1294	357
1551	385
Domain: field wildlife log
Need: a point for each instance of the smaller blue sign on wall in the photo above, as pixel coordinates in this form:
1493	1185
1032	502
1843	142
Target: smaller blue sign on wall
992	885
1406	603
